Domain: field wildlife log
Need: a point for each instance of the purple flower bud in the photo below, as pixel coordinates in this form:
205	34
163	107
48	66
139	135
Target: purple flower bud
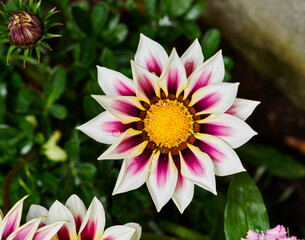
25	28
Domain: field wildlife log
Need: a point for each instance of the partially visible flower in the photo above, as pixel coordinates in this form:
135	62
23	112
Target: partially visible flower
83	224
10	228
277	233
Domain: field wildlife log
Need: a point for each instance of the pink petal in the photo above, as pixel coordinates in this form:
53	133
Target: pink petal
26	231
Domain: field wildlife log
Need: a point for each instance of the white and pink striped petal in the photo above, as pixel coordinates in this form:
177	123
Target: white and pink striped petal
26	231
151	55
197	167
134	172
162	180
232	130
114	83
225	160
216	98
118	233
242	108
48	232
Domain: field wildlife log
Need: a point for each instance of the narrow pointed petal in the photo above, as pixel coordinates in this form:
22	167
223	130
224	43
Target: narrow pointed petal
134	172
59	212
12	219
192	58
104	128
242	108
126	109
114	83
47	232
137	233
37	211
198	168
146	82
77	208
216	98
184	193
210	72
162	180
26	231
151	55
118	233
94	222
130	144
225	160
173	79
232	130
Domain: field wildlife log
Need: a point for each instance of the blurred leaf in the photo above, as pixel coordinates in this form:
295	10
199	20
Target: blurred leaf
210	42
191	29
195	11
118	35
150	7
228	62
245	208
58	111
107	59
277	163
176	8
81	19
86	170
99	16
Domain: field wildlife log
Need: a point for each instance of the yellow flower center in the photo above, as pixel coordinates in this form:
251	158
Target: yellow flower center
168	123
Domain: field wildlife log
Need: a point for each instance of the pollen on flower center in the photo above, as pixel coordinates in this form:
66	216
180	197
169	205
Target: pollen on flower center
168	123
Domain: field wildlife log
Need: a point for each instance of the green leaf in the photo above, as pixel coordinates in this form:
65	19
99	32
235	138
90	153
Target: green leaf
228	62
210	42
176	8
38	53
191	30
277	163
25	56
99	16
9	53
195	12
58	111
86	170
118	35
81	19
107	59
55	85
245	208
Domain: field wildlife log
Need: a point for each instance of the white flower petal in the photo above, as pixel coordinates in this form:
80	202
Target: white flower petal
114	83
232	130
37	211
134	172
197	167
216	98
151	55
162	180
94	221
242	108
47	232
26	231
129	144
137	233
118	233
146	82
173	79
192	58
126	109
225	160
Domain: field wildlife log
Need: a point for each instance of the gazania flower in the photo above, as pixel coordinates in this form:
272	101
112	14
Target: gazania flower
277	233
175	123
10	228
83	224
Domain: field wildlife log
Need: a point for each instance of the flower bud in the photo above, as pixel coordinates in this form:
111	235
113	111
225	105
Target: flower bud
25	28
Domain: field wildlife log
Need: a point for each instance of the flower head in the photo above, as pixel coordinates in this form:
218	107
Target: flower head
10	228
175	123
277	233
83	224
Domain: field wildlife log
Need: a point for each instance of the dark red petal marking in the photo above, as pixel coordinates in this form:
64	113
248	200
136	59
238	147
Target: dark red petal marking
78	222
212	151
124	90
215	129
63	233
126	108
139	162
146	87
180	180
172	81
89	231
203	80
118	126
192	162
41	224
189	67
129	143
154	66
162	168
207	102
233	110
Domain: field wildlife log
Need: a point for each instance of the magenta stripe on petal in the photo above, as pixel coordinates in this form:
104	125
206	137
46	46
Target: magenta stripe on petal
63	233
41	224
207	102
233	110
146	86
212	151
154	66
202	81
10	225
78	222
215	129
89	231
126	108
189	67
139	162
129	143
172	81
108	238
192	161
162	169
22	234
124	90
180	180
116	127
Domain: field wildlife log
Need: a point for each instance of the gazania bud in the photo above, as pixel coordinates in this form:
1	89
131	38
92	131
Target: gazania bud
25	28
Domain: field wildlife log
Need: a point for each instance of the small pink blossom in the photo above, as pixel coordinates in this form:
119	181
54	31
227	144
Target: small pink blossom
277	233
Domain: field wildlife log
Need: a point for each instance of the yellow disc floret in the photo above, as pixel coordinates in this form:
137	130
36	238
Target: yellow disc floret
168	123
